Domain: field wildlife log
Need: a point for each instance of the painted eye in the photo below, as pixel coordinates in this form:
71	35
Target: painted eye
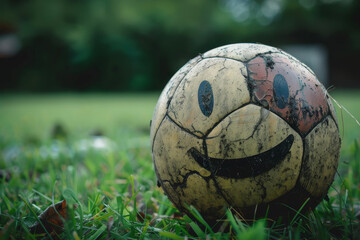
281	91
206	98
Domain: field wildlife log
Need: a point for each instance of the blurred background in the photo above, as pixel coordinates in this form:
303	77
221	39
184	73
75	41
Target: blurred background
78	69
137	45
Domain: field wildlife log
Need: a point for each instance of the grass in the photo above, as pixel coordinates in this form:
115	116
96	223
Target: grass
108	181
33	116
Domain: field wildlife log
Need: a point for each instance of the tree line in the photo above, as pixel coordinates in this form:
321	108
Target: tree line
137	45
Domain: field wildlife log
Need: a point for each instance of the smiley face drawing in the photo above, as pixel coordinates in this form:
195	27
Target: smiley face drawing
244	126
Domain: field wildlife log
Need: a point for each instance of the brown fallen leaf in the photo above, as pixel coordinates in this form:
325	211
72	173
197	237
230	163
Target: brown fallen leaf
52	219
141	216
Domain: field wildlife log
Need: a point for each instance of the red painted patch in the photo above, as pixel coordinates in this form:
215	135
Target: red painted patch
295	95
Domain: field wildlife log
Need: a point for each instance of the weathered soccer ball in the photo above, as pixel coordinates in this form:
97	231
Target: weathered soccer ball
245	126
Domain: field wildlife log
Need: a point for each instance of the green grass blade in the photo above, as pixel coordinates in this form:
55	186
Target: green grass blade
171	235
299	211
145	229
194	226
233	222
68	194
198	217
97	233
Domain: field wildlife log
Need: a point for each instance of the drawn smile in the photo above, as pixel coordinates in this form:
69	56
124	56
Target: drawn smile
245	167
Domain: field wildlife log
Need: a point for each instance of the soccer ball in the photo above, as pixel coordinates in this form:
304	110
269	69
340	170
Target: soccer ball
246	127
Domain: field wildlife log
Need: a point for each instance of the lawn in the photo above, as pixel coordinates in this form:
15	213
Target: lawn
93	151
33	116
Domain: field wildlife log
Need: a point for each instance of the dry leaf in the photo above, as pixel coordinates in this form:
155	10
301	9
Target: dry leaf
52	219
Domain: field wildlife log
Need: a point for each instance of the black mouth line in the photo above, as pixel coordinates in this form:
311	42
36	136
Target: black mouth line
245	167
